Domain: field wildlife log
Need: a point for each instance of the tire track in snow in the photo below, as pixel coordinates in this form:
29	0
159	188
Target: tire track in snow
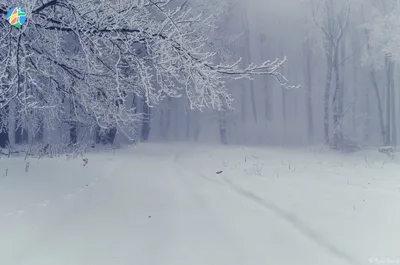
230	244
294	221
280	213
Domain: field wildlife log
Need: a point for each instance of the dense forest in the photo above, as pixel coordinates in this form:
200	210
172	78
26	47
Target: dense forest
256	72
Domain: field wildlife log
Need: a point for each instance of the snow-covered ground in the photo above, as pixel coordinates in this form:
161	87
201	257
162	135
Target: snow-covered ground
165	204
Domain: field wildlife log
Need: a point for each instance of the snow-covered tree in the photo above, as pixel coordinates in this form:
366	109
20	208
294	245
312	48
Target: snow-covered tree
332	19
80	62
382	52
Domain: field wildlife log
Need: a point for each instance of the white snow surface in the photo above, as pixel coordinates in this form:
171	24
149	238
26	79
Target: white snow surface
164	204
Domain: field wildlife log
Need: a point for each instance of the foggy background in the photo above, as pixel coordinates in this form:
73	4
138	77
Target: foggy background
362	98
287	25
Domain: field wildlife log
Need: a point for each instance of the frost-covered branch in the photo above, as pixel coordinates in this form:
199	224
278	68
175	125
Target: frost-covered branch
95	55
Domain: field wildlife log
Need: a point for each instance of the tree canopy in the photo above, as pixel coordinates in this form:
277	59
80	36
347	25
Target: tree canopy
94	56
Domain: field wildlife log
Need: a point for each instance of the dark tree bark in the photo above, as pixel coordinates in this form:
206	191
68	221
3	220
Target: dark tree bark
105	136
188	123
40	132
327	96
110	135
136	125
367	116
337	130
21	135
284	109
243	102
97	135
73	134
377	92
284	114
197	126
4	139
389	66
167	123
391	116
338	100
267	87
308	76
161	122
355	60
333	27
247	38
73	129
146	122
222	127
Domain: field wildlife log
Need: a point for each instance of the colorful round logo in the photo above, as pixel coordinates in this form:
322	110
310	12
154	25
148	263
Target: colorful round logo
16	17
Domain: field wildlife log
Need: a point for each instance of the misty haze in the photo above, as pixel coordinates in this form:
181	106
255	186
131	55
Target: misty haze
199	132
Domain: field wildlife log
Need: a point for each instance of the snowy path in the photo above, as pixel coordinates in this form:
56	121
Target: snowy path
154	207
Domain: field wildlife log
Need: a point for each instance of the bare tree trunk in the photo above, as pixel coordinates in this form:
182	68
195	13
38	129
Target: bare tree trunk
136	125
380	109
222	126
356	46
337	129
248	55
267	88
284	113
177	112
145	133
389	66
20	133
393	107
342	65
110	134
355	92
243	96
327	96
367	116
334	26
188	121
73	134
97	134
329	47
40	131
308	59
284	116
197	126
162	122
377	94
284	99
268	99
167	127
243	102
73	130
4	139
